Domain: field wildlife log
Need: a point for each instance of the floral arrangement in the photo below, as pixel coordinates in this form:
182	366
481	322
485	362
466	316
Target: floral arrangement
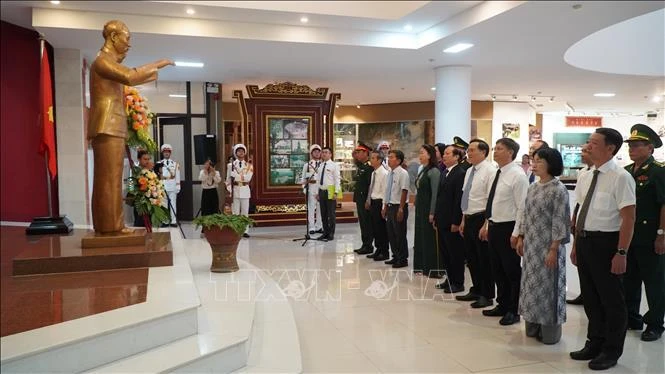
145	192
139	118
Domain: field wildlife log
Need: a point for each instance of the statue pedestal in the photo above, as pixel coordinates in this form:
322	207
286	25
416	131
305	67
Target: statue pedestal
92	240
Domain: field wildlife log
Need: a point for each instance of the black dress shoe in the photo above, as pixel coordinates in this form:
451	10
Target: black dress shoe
453	289
482	302
372	255
365	251
390	262
442	286
576	301
602	362
322	238
589	352
470	296
494	312
650	334
509	319
400	264
638	326
380	257
312	232
174	225
330	237
245	235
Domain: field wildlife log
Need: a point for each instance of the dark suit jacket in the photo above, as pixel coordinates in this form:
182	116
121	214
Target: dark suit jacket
449	199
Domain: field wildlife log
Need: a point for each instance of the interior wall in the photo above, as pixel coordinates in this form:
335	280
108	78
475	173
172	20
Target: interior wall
513	113
23	180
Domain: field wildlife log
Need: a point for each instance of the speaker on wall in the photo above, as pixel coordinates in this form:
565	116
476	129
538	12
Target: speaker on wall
205	147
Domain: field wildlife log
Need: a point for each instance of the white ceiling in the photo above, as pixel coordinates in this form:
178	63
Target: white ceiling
519	46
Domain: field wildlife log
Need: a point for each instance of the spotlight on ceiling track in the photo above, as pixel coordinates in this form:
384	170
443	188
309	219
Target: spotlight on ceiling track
514	97
552	99
493	97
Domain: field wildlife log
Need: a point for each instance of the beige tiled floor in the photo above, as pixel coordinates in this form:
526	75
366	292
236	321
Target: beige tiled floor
343	327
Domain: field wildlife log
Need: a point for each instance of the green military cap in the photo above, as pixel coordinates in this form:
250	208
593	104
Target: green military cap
644	132
459	143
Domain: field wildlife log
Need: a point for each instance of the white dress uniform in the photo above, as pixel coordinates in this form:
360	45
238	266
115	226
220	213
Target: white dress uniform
313	210
238	176
171	179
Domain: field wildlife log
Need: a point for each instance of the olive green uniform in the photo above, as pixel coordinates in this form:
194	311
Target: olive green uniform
643	264
362	179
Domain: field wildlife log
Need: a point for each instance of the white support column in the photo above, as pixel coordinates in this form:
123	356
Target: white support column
453	103
72	145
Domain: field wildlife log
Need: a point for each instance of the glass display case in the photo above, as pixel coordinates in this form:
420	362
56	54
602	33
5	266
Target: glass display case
345	137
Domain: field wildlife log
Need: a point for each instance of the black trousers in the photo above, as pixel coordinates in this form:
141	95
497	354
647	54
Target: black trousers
644	265
327	213
365	221
397	233
209	201
506	268
602	291
478	256
379	227
453	256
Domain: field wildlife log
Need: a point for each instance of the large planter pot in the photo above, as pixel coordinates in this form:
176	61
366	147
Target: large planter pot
224	245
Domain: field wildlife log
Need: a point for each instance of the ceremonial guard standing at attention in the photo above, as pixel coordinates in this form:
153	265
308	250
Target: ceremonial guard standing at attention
171	179
238	177
646	255
362	179
310	171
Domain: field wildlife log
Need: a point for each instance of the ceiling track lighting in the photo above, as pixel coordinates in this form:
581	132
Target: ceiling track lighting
514	97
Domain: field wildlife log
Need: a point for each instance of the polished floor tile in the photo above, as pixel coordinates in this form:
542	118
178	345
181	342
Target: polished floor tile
357	315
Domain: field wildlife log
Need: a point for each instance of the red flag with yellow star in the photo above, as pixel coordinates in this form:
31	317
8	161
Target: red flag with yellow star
48	128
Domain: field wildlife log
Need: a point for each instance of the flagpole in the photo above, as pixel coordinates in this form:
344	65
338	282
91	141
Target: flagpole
48	176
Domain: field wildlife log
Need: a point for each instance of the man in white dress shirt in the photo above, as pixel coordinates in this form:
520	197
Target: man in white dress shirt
310	171
396	210
477	184
171	179
377	191
238	177
502	221
329	187
604	229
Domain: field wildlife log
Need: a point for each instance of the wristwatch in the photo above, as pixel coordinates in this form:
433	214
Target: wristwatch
660	232
621	252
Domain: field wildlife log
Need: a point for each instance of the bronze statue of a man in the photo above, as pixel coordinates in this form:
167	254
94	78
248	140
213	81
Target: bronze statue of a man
107	127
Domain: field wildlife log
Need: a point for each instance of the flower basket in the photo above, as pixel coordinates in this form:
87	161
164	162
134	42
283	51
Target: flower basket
223	231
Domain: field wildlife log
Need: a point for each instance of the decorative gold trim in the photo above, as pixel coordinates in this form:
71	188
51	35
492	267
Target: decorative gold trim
289	89
284	208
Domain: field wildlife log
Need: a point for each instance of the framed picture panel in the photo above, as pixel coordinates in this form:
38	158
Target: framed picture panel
288	140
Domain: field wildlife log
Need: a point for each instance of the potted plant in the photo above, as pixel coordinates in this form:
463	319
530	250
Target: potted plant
223	233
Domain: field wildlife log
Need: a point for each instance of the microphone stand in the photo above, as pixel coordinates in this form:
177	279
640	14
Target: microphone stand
307	237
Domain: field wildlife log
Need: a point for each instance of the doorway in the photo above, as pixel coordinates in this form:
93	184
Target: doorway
174	131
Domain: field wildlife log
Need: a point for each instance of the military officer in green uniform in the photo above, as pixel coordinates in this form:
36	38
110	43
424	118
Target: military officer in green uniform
646	255
461	144
362	179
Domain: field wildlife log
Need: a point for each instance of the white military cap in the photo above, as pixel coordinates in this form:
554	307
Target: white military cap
313	147
166	147
239	145
383	144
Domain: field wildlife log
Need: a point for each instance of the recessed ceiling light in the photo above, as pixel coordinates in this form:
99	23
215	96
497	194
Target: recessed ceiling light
189	64
304	19
577	6
336	105
604	94
55	2
358	106
190	11
459	47
433	88
408	28
177	95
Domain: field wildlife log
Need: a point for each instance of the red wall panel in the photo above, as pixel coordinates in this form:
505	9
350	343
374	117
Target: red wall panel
23	185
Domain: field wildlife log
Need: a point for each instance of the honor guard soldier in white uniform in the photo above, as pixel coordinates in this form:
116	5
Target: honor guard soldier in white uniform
171	179
311	176
238	177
